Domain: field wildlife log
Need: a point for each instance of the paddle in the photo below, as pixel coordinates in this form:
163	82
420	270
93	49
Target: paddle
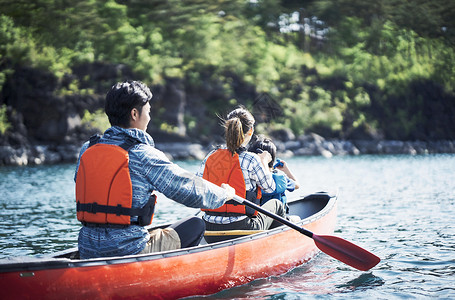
336	247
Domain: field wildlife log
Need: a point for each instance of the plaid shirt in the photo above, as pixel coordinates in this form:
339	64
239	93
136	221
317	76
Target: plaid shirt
150	170
254	174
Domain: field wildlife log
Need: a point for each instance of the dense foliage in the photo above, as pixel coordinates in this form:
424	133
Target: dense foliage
342	68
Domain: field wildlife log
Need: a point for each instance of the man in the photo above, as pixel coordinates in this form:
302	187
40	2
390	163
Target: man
115	179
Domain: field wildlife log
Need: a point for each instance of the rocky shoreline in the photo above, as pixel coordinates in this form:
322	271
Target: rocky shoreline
46	124
306	145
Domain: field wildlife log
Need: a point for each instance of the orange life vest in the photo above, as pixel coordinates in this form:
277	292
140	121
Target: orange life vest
104	191
224	167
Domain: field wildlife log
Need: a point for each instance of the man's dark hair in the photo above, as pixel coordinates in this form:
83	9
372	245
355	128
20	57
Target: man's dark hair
122	98
264	144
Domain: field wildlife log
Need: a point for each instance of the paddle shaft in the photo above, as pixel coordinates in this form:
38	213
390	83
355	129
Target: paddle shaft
274	216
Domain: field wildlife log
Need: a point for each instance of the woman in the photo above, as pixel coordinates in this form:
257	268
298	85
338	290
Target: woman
245	171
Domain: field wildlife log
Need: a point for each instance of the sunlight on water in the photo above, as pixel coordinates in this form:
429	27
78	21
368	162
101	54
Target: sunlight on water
399	207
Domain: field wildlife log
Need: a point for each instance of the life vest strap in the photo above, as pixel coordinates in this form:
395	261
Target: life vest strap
115	210
144	214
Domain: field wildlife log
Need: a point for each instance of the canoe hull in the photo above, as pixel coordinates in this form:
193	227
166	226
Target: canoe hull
199	270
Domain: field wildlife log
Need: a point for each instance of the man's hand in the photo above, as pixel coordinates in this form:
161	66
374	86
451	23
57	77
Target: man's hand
229	190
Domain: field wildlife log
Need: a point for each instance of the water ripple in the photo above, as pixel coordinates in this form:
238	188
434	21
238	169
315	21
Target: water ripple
364	281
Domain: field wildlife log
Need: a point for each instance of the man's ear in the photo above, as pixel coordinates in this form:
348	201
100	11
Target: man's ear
134	114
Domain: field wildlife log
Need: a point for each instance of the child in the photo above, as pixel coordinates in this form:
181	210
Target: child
284	179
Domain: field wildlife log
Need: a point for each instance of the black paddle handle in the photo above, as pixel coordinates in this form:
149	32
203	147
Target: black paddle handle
274	216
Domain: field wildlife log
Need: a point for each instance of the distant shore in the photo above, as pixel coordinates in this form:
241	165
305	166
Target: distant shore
306	145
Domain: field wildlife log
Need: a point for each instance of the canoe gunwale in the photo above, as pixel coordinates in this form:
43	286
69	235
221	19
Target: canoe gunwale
53	261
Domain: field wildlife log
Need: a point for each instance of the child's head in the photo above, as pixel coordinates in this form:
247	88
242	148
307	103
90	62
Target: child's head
264	144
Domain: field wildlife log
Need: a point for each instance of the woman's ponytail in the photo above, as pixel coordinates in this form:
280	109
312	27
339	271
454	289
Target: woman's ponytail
234	134
238	123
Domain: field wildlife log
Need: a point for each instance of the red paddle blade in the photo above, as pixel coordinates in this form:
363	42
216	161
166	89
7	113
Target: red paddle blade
346	252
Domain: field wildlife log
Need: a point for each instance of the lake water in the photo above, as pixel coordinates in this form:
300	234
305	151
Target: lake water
401	208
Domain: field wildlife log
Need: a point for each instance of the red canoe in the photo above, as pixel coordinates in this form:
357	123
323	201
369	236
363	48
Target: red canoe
201	270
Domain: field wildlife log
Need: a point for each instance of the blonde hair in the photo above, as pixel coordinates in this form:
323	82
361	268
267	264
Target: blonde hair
238	123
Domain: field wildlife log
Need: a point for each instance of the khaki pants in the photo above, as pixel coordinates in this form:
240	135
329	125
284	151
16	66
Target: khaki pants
162	240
